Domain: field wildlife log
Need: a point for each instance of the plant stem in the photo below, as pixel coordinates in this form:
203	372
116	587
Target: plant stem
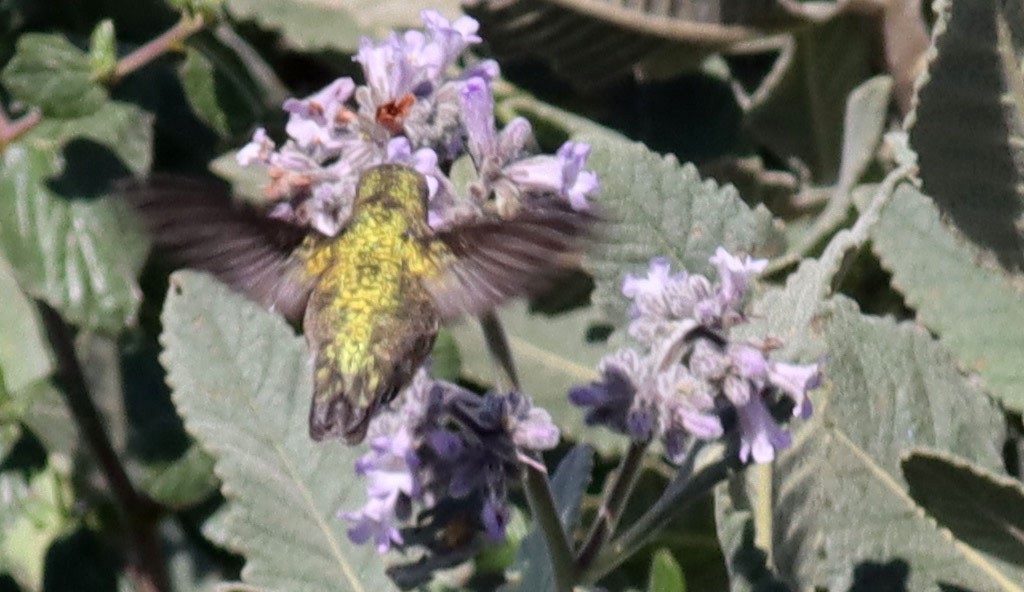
155	48
684	489
145	557
12	130
535	481
497	345
610	511
545	514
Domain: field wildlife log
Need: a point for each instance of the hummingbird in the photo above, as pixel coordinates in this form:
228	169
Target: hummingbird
370	300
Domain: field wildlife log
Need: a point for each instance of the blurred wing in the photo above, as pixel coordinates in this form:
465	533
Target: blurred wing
501	259
195	224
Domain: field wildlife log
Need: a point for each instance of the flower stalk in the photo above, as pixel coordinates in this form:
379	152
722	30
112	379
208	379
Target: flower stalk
684	489
610	510
140	515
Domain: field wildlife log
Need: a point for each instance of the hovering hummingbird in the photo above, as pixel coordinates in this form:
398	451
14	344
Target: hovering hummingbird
372	299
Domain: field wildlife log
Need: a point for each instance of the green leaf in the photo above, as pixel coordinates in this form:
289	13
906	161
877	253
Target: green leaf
182	482
200	84
532	567
313	24
551	354
445	360
80	256
656	207
976	311
968	123
24	352
124	128
246	182
103	50
833	508
32	516
242	382
666	575
50	73
982	509
798	110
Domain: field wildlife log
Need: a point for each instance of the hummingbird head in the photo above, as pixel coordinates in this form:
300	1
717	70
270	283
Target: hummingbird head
394	186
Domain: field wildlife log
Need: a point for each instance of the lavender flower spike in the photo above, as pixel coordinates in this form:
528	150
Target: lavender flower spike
692	374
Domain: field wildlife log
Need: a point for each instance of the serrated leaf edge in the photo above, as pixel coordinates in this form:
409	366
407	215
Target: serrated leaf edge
184	409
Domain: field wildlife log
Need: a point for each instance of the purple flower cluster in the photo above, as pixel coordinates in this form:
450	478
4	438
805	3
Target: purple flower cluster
688	373
416	108
444	442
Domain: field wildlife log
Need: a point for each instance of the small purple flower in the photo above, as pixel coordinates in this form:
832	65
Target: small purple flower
735	273
577	183
256	151
451	37
424	160
316	123
760	434
609	400
387	69
495	516
534	430
561	174
795	380
390	469
648	293
500	162
376	521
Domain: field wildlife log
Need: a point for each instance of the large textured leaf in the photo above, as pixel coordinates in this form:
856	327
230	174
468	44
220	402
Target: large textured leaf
657	208
592	43
551	356
242	382
834	511
79	255
336	24
968	124
983	509
976	311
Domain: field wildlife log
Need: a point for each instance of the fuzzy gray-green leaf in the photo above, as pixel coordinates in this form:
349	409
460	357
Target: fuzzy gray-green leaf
983	509
242	382
975	310
968	125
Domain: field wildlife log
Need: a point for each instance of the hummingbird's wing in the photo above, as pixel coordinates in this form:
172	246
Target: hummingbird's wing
196	224
494	260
